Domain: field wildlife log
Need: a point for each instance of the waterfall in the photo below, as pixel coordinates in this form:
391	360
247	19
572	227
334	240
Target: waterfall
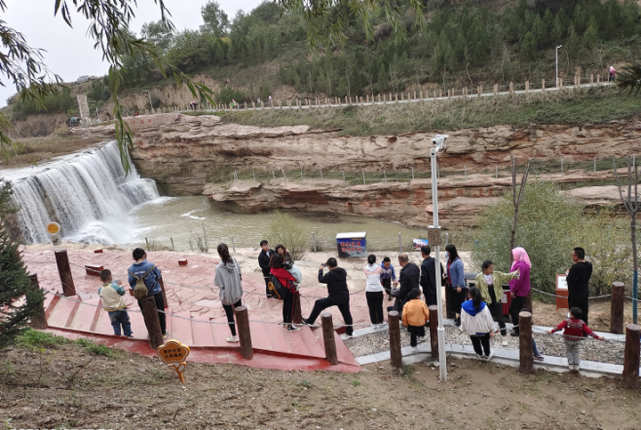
88	194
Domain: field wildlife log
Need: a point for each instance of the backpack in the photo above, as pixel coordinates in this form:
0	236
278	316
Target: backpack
277	290
140	290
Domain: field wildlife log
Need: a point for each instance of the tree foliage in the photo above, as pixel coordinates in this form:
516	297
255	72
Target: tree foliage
286	231
14	282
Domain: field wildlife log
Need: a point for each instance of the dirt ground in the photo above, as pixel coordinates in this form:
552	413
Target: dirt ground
599	314
69	386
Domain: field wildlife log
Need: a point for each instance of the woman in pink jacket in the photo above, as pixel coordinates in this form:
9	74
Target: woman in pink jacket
519	288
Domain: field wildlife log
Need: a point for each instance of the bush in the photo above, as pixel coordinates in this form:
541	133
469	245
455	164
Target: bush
550	225
286	231
546	227
39	339
58	102
227	94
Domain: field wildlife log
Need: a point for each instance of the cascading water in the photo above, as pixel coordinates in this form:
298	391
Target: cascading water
88	194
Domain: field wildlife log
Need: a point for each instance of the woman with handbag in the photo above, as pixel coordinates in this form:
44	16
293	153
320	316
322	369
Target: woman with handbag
290	293
229	280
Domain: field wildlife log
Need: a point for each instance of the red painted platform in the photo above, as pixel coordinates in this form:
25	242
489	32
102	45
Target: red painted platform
274	347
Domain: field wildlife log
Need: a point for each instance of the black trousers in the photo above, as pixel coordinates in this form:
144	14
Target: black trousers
415	332
229	311
387	286
288	306
430	297
496	307
515	308
160	305
478	341
375	305
321	304
458	299
267	292
581	303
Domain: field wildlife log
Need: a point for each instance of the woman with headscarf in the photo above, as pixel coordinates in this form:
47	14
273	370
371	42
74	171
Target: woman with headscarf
520	287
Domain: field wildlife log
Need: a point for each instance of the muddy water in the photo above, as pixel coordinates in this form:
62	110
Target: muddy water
184	218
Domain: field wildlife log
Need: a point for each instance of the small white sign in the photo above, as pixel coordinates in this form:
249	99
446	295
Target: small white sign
561	282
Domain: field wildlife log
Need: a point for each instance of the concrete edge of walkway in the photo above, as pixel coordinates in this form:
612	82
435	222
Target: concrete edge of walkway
536	329
590	369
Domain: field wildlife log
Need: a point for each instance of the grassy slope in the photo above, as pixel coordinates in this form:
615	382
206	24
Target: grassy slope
567	107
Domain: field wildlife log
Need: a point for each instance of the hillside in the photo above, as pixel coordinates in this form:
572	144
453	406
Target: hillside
464	44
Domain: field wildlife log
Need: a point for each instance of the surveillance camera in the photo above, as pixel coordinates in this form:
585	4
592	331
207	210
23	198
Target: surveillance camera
439	142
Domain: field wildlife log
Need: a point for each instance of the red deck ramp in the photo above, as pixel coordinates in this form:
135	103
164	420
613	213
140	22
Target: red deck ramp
274	347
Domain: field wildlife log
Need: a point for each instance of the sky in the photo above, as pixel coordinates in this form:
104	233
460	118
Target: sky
70	52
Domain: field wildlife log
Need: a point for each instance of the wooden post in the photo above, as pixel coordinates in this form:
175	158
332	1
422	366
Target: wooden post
150	315
396	97
591	78
297	318
598	78
161	281
395	340
440	93
421	94
39	318
253	105
631	357
526	357
616	308
62	260
379	97
511	87
244	335
527	87
542	85
527	303
433	330
328	339
496	89
415	94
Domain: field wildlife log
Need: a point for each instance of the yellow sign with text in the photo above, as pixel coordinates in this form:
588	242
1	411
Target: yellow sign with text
174	354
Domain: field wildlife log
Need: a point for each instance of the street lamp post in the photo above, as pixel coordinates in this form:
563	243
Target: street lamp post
150	104
435	238
557	65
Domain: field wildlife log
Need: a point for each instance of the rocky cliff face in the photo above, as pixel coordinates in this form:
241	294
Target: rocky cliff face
182	152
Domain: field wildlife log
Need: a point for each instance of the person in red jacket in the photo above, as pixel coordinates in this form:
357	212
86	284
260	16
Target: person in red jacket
573	329
291	292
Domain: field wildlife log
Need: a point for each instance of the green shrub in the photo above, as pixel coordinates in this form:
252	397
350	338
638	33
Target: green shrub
286	231
39	339
96	348
58	102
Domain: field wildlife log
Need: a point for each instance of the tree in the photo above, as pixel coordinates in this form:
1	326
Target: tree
548	221
591	34
216	20
529	46
23	66
632	205
14	282
286	231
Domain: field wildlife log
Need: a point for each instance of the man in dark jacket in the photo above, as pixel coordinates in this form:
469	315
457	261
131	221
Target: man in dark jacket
409	278
263	262
338	294
428	276
578	279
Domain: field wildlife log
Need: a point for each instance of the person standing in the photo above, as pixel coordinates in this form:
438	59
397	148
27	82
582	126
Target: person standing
229	280
490	284
388	277
415	316
613	74
409	278
456	281
578	282
374	291
338	294
263	262
477	322
150	275
519	287
287	256
574	330
428	276
288	281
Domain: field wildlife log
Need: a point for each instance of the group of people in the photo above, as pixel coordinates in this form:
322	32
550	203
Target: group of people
414	291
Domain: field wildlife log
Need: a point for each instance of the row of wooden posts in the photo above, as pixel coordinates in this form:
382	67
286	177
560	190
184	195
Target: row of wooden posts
631	355
385	98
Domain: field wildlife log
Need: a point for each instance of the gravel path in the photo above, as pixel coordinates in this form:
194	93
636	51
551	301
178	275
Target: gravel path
553	345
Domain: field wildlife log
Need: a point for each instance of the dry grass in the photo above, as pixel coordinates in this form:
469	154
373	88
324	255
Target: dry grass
33	150
593	105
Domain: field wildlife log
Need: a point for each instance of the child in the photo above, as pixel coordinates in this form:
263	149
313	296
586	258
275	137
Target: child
415	316
388	277
476	320
535	351
114	303
573	330
490	283
374	291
